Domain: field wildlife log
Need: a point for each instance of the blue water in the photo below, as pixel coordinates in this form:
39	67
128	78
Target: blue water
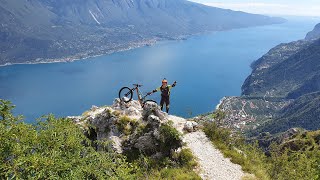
206	67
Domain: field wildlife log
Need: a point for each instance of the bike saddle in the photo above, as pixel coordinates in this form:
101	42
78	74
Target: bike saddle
138	85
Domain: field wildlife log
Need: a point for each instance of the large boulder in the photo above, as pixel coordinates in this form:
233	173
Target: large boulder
127	126
146	143
151	108
191	126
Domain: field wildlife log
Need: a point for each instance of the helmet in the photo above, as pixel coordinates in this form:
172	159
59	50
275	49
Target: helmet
164	80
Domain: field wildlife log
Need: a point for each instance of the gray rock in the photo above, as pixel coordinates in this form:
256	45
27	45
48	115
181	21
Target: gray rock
75	119
154	121
94	108
132	108
146	143
156	134
190	126
116	144
152	108
132	111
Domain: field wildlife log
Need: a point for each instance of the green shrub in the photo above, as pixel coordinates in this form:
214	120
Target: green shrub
216	133
57	149
53	149
170	138
116	113
176	174
141	128
293	165
168	168
298	158
127	125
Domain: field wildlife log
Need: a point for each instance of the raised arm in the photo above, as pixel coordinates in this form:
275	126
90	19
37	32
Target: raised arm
156	90
174	84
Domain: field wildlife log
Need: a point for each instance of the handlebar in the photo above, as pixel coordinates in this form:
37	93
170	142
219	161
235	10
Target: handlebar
137	85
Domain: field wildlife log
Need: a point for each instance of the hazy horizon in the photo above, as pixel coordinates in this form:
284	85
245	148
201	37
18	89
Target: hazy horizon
310	8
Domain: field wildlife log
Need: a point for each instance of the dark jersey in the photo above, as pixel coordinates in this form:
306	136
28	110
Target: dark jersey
165	92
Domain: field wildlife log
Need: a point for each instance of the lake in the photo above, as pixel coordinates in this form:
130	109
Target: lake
206	68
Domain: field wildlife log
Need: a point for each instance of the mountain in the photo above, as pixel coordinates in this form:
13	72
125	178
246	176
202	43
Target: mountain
47	30
289	71
282	92
314	34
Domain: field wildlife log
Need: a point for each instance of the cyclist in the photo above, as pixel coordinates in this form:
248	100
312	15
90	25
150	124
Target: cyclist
165	93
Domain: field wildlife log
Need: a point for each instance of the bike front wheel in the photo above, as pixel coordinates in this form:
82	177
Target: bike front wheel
125	94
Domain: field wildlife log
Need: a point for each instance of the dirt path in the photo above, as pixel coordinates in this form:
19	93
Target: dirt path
212	164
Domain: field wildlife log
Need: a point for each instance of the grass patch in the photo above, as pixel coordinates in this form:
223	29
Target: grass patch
116	113
86	114
174	174
298	158
127	125
177	167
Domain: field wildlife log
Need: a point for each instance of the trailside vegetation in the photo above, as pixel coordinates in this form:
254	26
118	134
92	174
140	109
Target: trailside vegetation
297	159
58	149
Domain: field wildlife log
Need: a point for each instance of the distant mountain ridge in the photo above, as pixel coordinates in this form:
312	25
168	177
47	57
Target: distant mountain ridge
289	71
48	30
314	34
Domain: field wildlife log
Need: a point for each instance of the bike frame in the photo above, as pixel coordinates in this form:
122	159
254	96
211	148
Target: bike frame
139	94
141	98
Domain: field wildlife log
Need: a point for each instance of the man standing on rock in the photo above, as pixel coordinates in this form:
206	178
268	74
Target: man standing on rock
165	93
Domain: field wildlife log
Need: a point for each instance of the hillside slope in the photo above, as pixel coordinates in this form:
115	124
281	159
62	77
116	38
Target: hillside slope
303	112
314	34
282	92
287	71
47	30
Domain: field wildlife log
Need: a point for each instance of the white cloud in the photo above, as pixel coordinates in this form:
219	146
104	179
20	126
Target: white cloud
270	8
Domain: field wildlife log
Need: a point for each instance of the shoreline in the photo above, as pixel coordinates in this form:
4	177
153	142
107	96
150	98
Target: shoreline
220	102
144	43
135	45
78	57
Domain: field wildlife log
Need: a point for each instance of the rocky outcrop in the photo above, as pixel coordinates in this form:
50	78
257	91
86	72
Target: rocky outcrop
133	130
130	128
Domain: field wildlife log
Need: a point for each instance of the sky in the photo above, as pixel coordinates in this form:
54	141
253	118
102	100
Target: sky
269	7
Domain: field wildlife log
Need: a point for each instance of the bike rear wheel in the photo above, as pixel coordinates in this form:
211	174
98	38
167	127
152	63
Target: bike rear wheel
125	94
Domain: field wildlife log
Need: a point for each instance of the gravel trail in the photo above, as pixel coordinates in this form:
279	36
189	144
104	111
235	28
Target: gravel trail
212	164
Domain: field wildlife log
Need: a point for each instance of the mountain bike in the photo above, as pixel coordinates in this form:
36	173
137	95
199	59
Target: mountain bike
126	94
